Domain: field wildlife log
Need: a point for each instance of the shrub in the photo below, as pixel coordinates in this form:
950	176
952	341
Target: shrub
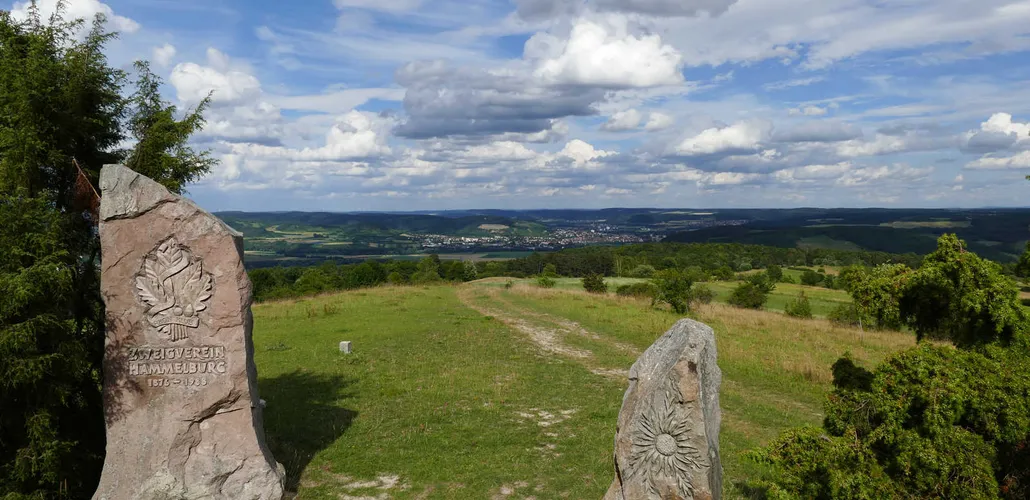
761	280
753	292
799	307
1022	267
469	271
508	284
876	293
641	290
594	283
929	422
673	287
932	421
749	296
642	271
845	315
829	282
788	279
396	278
428	271
724	273
958	296
546	282
775	272
811	278
701	294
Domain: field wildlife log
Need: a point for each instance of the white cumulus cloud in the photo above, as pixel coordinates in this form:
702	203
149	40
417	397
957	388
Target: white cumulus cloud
605	54
193	82
658	121
1019	160
739	136
623	120
581	152
77	9
163	55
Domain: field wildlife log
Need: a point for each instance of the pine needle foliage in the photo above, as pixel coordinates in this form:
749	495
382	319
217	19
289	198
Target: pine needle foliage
61	103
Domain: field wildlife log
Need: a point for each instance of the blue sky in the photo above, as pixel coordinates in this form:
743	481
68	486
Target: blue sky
443	104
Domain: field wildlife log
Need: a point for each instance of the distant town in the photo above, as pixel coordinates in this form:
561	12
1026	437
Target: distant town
590	233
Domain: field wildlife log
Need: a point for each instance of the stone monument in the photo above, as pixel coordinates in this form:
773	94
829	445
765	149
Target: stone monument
667	437
180	395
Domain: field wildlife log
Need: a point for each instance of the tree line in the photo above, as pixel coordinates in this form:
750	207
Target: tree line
720	258
286	282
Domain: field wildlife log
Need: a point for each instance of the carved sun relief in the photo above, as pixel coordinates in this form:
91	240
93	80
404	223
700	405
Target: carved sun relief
174	287
662	447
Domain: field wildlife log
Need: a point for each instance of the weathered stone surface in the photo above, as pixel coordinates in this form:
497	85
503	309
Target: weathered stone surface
180	395
667	438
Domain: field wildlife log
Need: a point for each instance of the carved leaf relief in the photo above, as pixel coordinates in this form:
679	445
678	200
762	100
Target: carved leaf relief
175	288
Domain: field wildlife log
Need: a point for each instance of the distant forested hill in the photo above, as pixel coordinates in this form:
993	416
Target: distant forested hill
384	222
998	234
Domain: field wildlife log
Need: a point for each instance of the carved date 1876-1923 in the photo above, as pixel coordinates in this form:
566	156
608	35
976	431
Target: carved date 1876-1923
173	286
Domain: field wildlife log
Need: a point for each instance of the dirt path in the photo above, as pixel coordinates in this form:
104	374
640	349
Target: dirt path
546	331
568	325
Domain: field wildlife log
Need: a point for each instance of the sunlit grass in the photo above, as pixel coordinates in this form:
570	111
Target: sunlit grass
439	400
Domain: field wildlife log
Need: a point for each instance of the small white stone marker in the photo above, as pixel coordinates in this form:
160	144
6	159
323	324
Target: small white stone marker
345	347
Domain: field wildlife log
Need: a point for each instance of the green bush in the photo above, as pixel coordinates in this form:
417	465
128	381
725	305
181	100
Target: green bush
469	271
1022	267
811	278
724	273
428	271
594	283
749	296
929	422
396	278
774	272
673	286
641	290
876	293
642	271
799	307
958	296
546	282
829	282
509	284
845	315
932	421
753	292
701	294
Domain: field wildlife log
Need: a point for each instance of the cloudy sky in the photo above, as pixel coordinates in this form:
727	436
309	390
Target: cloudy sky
437	104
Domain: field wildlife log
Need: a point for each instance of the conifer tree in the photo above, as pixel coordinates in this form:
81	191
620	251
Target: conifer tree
63	114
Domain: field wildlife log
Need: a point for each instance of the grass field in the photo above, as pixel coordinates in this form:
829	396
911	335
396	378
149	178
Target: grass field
478	391
823	300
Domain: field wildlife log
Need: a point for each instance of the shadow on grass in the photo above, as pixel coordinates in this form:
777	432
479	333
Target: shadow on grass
305	413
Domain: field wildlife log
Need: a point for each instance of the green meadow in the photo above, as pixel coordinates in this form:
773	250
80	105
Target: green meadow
483	391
